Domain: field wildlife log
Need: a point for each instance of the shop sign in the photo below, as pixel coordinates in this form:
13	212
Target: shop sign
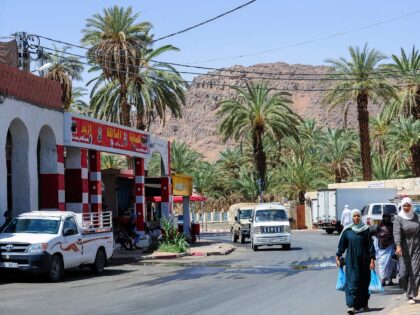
95	134
376	185
181	185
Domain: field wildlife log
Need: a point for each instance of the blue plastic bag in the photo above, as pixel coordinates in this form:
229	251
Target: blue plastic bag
375	283
341	280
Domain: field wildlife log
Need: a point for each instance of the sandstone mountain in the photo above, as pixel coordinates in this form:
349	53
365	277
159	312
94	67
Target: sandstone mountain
198	125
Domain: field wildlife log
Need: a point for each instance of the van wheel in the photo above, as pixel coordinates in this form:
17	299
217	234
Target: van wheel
100	262
234	236
329	231
286	246
254	247
242	239
56	268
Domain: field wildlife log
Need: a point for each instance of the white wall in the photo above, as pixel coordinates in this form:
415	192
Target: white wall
33	118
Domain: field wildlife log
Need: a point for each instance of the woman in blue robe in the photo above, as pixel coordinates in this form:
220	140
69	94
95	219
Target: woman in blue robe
357	242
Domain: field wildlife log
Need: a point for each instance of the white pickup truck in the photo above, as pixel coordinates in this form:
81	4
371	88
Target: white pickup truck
51	241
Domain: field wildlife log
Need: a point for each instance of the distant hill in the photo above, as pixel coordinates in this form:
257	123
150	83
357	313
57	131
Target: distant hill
198	126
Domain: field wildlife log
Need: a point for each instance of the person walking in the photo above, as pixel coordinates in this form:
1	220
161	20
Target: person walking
384	246
346	216
407	242
357	242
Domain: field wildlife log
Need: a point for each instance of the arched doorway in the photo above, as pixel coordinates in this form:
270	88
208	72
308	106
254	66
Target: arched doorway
47	169
18	186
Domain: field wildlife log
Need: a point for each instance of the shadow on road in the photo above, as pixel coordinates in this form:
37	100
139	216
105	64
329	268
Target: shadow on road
69	276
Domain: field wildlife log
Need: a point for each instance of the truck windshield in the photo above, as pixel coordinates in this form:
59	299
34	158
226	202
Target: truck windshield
270	215
245	214
29	225
391	209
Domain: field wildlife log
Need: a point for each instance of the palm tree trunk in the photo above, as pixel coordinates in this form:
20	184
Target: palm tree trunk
140	123
124	106
363	118
415	163
338	177
259	154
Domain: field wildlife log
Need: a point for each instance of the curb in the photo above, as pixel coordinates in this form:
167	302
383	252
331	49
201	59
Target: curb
224	252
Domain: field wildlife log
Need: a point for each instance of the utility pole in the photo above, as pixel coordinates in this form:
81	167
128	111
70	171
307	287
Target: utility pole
24	62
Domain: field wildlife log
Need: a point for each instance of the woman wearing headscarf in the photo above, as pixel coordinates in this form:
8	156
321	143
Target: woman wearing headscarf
384	246
407	241
357	242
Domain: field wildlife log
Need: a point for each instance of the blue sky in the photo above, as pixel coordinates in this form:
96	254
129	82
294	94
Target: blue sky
263	25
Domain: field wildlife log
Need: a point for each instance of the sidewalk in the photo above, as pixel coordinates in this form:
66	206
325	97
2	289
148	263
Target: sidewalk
199	248
400	306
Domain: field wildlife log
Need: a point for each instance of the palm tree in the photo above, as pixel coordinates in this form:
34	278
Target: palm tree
156	89
405	135
406	69
117	41
183	159
254	114
77	104
385	167
230	161
111	161
380	127
339	147
359	81
64	69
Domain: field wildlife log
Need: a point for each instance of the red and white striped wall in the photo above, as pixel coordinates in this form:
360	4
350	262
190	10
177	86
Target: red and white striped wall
76	180
95	181
140	206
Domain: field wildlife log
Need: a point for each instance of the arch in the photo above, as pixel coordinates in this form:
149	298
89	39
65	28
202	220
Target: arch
47	168
19	167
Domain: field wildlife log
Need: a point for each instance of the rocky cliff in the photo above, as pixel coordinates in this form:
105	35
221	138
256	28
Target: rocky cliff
198	126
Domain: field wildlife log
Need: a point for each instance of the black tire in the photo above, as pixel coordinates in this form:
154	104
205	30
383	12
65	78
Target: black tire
234	237
242	239
254	247
286	246
329	231
98	266
56	269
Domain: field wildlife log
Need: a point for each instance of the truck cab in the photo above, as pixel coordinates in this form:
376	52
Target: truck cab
240	221
51	241
270	226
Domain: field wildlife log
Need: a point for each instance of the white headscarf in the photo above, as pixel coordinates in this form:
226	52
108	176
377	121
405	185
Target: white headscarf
357	228
402	213
346	207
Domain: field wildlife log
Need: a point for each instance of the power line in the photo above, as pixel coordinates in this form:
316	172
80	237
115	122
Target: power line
261	75
310	41
246	79
329	76
205	22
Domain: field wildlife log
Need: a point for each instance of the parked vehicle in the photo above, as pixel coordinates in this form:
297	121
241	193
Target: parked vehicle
416	206
270	226
51	241
331	203
240	221
372	213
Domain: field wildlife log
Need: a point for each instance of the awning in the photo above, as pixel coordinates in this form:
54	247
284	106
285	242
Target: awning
177	199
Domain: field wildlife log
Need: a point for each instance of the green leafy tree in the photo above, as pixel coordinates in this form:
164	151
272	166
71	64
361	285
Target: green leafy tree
156	89
385	167
64	69
256	113
360	82
117	41
77	104
339	147
405	136
111	161
183	159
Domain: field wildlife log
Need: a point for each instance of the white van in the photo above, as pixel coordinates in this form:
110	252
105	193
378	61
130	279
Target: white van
372	213
270	226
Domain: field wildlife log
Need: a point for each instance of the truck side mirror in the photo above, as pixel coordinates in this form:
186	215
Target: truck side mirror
69	231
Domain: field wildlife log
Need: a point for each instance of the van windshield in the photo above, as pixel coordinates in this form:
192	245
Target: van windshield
270	215
245	214
390	209
39	226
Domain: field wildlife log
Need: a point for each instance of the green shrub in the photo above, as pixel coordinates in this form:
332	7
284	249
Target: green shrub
171	240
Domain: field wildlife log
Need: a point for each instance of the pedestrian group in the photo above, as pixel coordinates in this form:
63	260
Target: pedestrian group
395	246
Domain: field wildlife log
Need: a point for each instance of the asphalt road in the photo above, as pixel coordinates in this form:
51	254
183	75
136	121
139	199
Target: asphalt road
269	281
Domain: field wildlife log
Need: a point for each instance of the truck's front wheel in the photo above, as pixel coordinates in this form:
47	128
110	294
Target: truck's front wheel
100	262
56	268
329	231
234	236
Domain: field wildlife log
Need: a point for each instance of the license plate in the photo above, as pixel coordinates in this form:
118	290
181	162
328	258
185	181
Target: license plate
9	265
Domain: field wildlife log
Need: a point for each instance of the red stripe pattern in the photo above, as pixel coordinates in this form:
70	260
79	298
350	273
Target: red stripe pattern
139	193
95	182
